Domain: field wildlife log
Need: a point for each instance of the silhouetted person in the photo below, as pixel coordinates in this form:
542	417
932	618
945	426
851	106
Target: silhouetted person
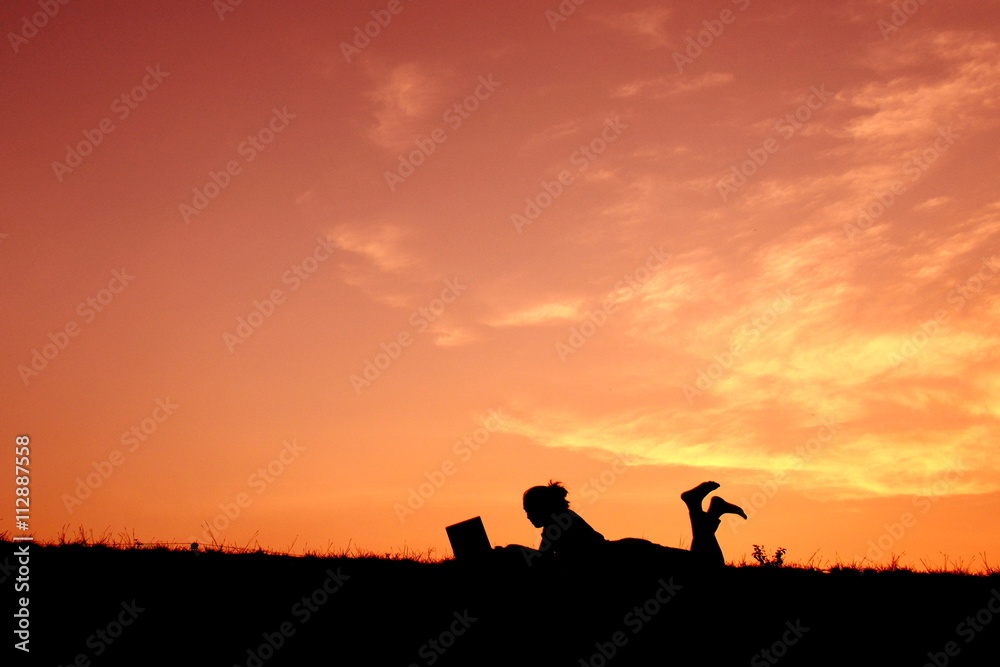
566	535
564	532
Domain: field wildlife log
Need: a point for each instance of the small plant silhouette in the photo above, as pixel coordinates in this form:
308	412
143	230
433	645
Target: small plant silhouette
760	555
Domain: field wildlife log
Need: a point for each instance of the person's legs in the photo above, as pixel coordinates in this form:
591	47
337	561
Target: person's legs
718	507
704	543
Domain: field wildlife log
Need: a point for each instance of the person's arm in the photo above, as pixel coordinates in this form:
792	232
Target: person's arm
517	553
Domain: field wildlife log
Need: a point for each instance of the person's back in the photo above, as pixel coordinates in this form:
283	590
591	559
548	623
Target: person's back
569	535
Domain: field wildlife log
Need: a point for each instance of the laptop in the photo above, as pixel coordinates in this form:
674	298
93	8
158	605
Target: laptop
468	540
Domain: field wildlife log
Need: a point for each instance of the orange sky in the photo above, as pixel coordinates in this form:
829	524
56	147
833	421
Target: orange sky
351	289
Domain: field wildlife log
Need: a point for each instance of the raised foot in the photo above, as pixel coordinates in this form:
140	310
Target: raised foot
695	496
718	507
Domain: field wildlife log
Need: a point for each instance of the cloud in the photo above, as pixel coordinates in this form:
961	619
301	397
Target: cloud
794	333
448	335
540	314
661	438
554	133
377	259
380	260
665	86
932	203
819	455
380	245
648	25
826	328
958	77
910	462
404	99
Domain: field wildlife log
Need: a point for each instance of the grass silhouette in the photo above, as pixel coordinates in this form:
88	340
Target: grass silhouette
126	540
242	604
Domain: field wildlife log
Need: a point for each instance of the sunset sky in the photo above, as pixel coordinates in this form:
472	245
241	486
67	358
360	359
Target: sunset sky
320	287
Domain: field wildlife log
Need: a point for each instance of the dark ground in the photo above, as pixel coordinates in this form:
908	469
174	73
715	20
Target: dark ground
105	606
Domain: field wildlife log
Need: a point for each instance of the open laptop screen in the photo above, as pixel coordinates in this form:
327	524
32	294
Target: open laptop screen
468	539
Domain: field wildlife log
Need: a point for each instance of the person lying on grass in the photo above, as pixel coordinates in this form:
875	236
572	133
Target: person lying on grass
567	536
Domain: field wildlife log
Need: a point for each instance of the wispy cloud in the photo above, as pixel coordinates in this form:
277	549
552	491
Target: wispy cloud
543	313
648	25
960	70
665	86
380	245
403	99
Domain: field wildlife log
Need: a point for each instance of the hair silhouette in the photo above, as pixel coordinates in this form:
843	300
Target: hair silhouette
543	500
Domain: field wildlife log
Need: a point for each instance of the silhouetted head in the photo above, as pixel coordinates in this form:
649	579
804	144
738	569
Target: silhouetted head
541	502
